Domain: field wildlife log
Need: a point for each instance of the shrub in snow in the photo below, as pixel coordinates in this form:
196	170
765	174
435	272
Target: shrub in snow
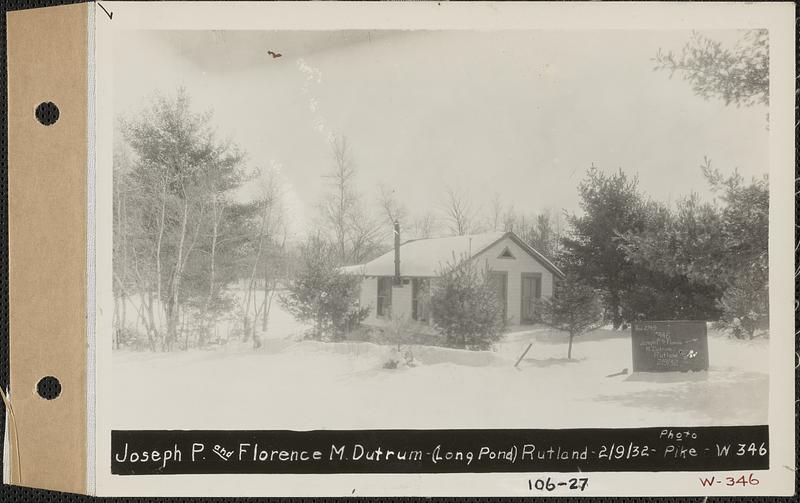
575	308
399	332
745	304
400	358
466	308
320	294
125	336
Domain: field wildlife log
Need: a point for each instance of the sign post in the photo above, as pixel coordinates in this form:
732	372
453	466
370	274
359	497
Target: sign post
669	346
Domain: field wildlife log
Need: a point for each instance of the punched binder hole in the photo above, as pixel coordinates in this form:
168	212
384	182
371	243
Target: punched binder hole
48	388
47	113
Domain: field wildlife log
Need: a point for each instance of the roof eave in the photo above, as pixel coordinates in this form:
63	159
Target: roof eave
535	253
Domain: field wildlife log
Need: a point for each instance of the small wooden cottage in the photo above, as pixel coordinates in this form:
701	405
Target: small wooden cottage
398	283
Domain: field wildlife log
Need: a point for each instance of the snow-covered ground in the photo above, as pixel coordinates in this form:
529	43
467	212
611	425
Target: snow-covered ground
290	384
280	322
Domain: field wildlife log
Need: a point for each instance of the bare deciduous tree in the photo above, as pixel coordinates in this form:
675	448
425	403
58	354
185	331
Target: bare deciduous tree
270	237
355	232
459	212
343	199
496	213
393	209
425	226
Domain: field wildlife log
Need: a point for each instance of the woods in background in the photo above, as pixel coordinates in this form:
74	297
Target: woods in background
181	238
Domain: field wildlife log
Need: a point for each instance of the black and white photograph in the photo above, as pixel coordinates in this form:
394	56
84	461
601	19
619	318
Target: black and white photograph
408	227
441	229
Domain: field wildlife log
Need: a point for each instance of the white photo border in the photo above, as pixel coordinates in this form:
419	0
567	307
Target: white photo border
778	18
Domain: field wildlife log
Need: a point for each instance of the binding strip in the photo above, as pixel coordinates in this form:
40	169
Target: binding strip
47	185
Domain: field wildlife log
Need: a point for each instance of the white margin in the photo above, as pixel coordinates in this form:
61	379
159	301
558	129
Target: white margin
91	354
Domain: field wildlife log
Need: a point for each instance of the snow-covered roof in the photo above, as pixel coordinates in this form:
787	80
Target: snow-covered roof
427	257
353	269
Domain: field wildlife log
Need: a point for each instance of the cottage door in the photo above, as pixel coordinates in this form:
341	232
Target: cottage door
500	282
531	292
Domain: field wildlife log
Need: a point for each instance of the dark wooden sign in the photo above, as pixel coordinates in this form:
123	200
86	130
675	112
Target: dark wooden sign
669	346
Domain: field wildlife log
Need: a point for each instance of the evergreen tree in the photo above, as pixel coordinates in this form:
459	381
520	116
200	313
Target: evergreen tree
465	306
574	308
612	207
738	75
719	251
665	288
320	293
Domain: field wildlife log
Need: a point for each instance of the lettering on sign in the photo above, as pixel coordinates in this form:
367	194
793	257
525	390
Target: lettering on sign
669	346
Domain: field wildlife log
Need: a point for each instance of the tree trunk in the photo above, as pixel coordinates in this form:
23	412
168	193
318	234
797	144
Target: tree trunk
185	332
172	304
269	289
256	336
123	221
217	217
264	308
161	224
616	316
172	322
152	331
124	300
115	337
120	256
250	284
569	349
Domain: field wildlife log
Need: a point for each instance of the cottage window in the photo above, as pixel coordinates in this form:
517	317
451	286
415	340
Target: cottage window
420	299
385	297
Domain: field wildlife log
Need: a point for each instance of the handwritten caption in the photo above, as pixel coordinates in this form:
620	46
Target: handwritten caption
440	451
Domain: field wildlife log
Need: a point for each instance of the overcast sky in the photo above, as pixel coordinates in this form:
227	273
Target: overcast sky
521	114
